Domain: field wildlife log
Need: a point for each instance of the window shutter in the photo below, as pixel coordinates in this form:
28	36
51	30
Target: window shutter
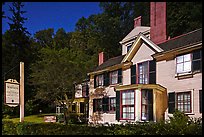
95	81
200	100
171	102
150	104
94	105
106	78
197	60
118	105
152	72
133	74
120	76
87	90
105	102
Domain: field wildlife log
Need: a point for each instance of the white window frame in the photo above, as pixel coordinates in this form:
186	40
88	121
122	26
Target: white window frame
183	62
99	80
114	76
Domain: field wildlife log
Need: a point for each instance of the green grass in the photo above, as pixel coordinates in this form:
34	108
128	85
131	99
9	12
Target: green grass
32	118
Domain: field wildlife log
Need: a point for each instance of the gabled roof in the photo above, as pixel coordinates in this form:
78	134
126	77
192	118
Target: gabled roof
110	62
136	45
182	40
135	32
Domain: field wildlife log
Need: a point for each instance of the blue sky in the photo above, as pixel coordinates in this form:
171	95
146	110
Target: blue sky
44	15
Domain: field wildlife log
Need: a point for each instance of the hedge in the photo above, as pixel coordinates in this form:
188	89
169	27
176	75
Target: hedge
160	128
178	125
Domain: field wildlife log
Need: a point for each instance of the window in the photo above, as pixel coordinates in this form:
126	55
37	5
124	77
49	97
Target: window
97	105
184	102
183	63
82	106
180	101
128	47
99	80
147	105
74	107
128	104
112	104
85	90
197	61
143	73
200	100
114	77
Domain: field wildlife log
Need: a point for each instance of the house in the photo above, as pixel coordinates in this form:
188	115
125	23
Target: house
151	78
79	105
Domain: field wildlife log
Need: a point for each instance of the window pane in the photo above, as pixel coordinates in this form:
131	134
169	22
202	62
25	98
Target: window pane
187	57
179	68
187	66
179	59
132	116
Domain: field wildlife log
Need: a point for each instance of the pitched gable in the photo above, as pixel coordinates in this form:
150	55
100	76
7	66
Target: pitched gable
137	44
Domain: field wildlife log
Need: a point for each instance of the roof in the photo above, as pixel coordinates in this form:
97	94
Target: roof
135	32
110	62
182	40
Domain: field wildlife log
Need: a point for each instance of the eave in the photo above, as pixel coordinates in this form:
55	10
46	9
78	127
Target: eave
140	86
171	54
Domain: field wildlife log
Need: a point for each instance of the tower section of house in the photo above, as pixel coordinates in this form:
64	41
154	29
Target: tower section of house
179	69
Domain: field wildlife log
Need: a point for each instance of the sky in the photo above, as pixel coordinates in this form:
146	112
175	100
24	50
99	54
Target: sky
44	15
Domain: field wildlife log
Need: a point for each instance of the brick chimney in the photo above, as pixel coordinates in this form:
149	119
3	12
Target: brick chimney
158	22
101	58
137	21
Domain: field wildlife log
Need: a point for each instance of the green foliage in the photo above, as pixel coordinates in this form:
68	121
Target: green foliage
172	127
31	107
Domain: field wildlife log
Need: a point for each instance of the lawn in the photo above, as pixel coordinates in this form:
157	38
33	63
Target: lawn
32	118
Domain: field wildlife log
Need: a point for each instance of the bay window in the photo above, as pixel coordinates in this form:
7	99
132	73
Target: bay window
147	105
128	104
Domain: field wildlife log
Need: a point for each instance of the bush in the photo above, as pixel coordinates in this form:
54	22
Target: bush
178	125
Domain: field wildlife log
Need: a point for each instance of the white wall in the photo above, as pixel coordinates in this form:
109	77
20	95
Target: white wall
165	76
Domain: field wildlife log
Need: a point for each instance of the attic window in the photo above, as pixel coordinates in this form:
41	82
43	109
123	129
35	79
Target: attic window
129	46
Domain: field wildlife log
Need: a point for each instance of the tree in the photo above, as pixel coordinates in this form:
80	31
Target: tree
45	37
183	17
16	47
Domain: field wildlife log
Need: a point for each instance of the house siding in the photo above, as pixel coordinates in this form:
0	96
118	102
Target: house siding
165	76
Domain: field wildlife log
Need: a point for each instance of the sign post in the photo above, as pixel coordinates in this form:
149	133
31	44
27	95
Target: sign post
21	91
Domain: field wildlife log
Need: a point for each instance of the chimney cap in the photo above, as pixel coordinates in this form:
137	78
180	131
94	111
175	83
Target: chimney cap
139	17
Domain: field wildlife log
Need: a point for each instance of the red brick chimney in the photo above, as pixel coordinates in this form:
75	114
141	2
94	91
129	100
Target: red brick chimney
158	22
137	21
101	58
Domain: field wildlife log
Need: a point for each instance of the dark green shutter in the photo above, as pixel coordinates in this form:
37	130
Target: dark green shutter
118	105
133	74
152	72
94	107
150	104
171	102
120	76
105	104
200	100
87	90
197	60
95	81
106	78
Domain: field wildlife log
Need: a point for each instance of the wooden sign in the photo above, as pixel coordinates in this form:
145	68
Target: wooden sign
49	118
11	93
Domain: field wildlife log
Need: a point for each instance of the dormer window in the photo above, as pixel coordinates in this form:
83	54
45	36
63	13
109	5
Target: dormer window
128	47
